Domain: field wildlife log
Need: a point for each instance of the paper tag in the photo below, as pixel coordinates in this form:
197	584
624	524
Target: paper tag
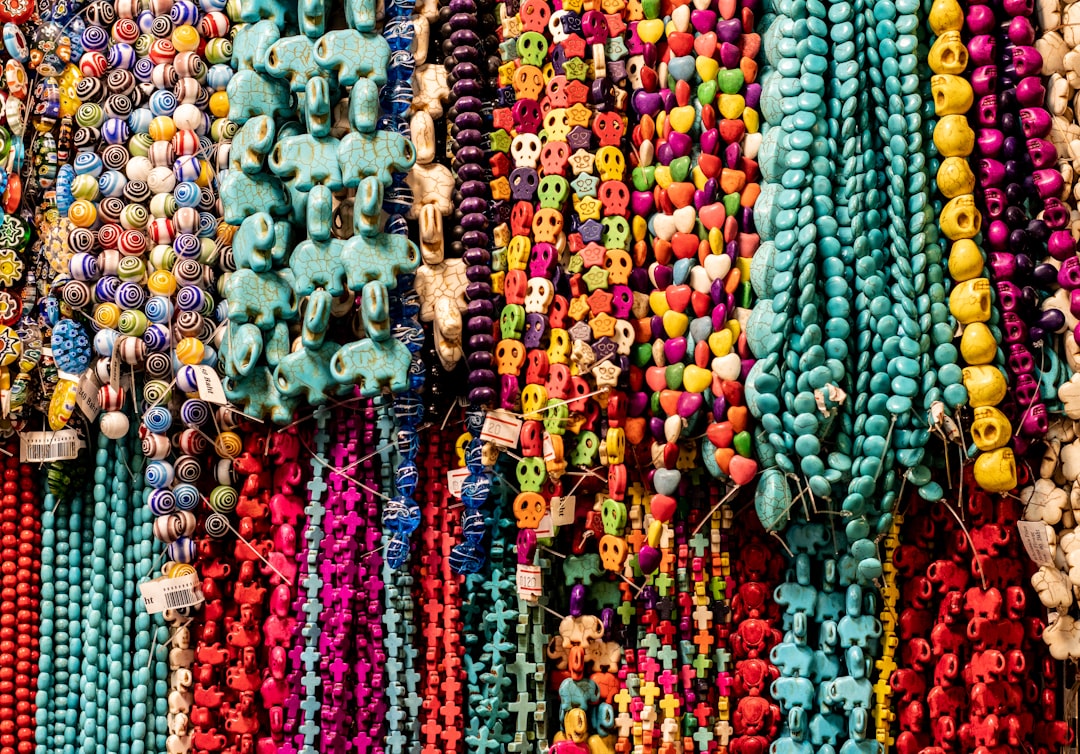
549	448
545	529
530	582
160	595
562	510
45	447
455	478
210	387
86	395
501	428
115	363
1033	535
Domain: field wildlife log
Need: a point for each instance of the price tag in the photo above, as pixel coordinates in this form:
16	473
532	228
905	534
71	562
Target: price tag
455	478
86	395
115	362
530	582
210	387
171	594
549	448
45	447
562	510
502	428
1033	535
544	528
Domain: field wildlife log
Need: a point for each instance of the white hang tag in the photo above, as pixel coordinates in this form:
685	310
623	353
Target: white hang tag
160	595
210	388
562	510
530	582
545	528
86	395
502	428
1033	535
549	448
455	478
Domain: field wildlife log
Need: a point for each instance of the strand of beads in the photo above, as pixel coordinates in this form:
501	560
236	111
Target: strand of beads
401	678
370	665
756	717
20	552
1003	172
306	660
443	728
956	181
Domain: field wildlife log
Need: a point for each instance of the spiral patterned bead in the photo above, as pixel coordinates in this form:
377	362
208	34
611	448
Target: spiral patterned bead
157	419
187	497
217	525
194	412
158	474
223	499
187	469
158	365
161	501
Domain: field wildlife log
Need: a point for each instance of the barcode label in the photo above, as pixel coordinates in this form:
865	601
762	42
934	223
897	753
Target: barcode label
171	594
45	447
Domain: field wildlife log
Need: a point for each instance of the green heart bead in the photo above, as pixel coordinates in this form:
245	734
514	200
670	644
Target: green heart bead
743	444
706	91
731	204
731	80
642	355
651	8
680	168
644	178
673	375
654	404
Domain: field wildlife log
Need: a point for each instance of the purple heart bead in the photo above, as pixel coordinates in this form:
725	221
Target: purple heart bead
647	103
656	326
730	55
662	275
642	202
701	199
680	143
719	317
656	428
717	292
710	141
638	402
732	153
648	559
703	20
665	154
675	349
719	408
669	100
688	404
729	31
753	95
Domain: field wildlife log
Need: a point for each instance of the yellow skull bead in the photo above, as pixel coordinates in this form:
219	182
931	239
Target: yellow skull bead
985	385
952	94
948	55
977	345
965	260
953	136
996	471
970	301
960	218
955	177
946	15
990	429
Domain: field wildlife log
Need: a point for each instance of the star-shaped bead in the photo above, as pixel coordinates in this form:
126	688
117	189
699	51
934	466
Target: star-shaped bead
603	324
579	115
579	307
575	69
581	162
587	207
584	184
596	278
